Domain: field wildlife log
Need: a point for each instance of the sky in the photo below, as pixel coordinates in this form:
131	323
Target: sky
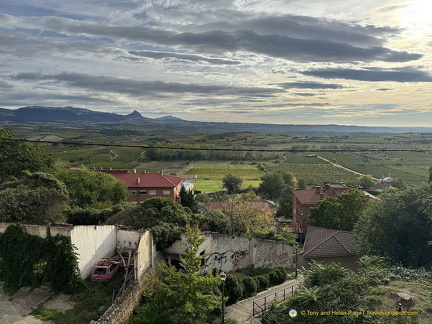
346	62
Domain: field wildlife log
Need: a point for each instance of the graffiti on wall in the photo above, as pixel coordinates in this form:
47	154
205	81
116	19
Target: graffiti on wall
222	260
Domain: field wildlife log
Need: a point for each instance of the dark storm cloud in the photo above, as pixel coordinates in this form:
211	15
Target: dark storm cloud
373	75
310	85
306	28
181	56
134	87
218	41
21	46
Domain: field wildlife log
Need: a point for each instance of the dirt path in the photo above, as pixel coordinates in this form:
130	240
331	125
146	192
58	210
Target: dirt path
341	166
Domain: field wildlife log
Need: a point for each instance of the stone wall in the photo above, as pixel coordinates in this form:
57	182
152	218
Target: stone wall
232	253
123	306
40	230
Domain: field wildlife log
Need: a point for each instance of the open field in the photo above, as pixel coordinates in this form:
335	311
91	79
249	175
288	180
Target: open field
216	185
410	166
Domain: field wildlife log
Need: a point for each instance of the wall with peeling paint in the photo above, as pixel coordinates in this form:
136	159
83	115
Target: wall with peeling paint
232	253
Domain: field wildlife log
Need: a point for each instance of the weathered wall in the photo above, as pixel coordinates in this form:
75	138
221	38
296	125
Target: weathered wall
93	243
123	306
144	255
40	230
128	239
232	253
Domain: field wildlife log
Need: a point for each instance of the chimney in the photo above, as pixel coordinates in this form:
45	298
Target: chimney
138	180
318	189
134	170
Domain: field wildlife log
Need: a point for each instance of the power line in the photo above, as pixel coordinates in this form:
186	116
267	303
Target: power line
218	149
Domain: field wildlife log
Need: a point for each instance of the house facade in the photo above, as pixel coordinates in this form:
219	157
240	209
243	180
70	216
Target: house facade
143	186
304	200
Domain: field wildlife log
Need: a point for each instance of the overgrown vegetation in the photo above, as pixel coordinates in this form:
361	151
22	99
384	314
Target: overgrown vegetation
334	294
28	260
399	226
166	218
89	304
182	296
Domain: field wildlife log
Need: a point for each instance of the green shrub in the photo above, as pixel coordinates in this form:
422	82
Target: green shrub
274	278
282	274
250	287
233	289
263	282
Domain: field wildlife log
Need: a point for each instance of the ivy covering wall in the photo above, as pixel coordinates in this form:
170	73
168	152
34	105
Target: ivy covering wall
28	260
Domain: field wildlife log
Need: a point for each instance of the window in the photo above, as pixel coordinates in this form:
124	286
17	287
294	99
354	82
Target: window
166	192
143	192
152	192
133	192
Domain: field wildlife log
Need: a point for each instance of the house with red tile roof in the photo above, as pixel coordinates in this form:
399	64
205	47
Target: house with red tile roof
329	245
304	200
143	186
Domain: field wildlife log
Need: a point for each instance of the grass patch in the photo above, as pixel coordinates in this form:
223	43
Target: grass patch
382	298
89	304
217	185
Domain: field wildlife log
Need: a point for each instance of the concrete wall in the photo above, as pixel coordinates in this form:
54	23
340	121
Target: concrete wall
40	230
144	255
93	243
232	253
128	239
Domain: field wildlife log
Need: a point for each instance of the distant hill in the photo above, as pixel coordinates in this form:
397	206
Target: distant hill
171	124
171	119
66	114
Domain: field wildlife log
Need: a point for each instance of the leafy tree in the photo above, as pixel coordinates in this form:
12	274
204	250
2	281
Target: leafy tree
232	183
398	183
366	181
36	198
340	213
301	184
183	296
271	185
398	226
162	214
16	157
218	221
187	199
93	189
277	186
236	217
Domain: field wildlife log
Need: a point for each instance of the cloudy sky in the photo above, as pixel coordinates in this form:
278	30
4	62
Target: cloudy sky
345	62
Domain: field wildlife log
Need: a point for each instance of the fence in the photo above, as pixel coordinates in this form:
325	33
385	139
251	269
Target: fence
261	305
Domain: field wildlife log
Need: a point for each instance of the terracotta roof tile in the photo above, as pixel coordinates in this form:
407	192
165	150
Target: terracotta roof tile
148	180
324	243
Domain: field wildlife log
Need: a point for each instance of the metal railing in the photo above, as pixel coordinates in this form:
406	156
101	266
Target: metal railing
261	305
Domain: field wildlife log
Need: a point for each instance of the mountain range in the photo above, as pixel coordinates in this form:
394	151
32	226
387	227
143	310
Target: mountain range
71	115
